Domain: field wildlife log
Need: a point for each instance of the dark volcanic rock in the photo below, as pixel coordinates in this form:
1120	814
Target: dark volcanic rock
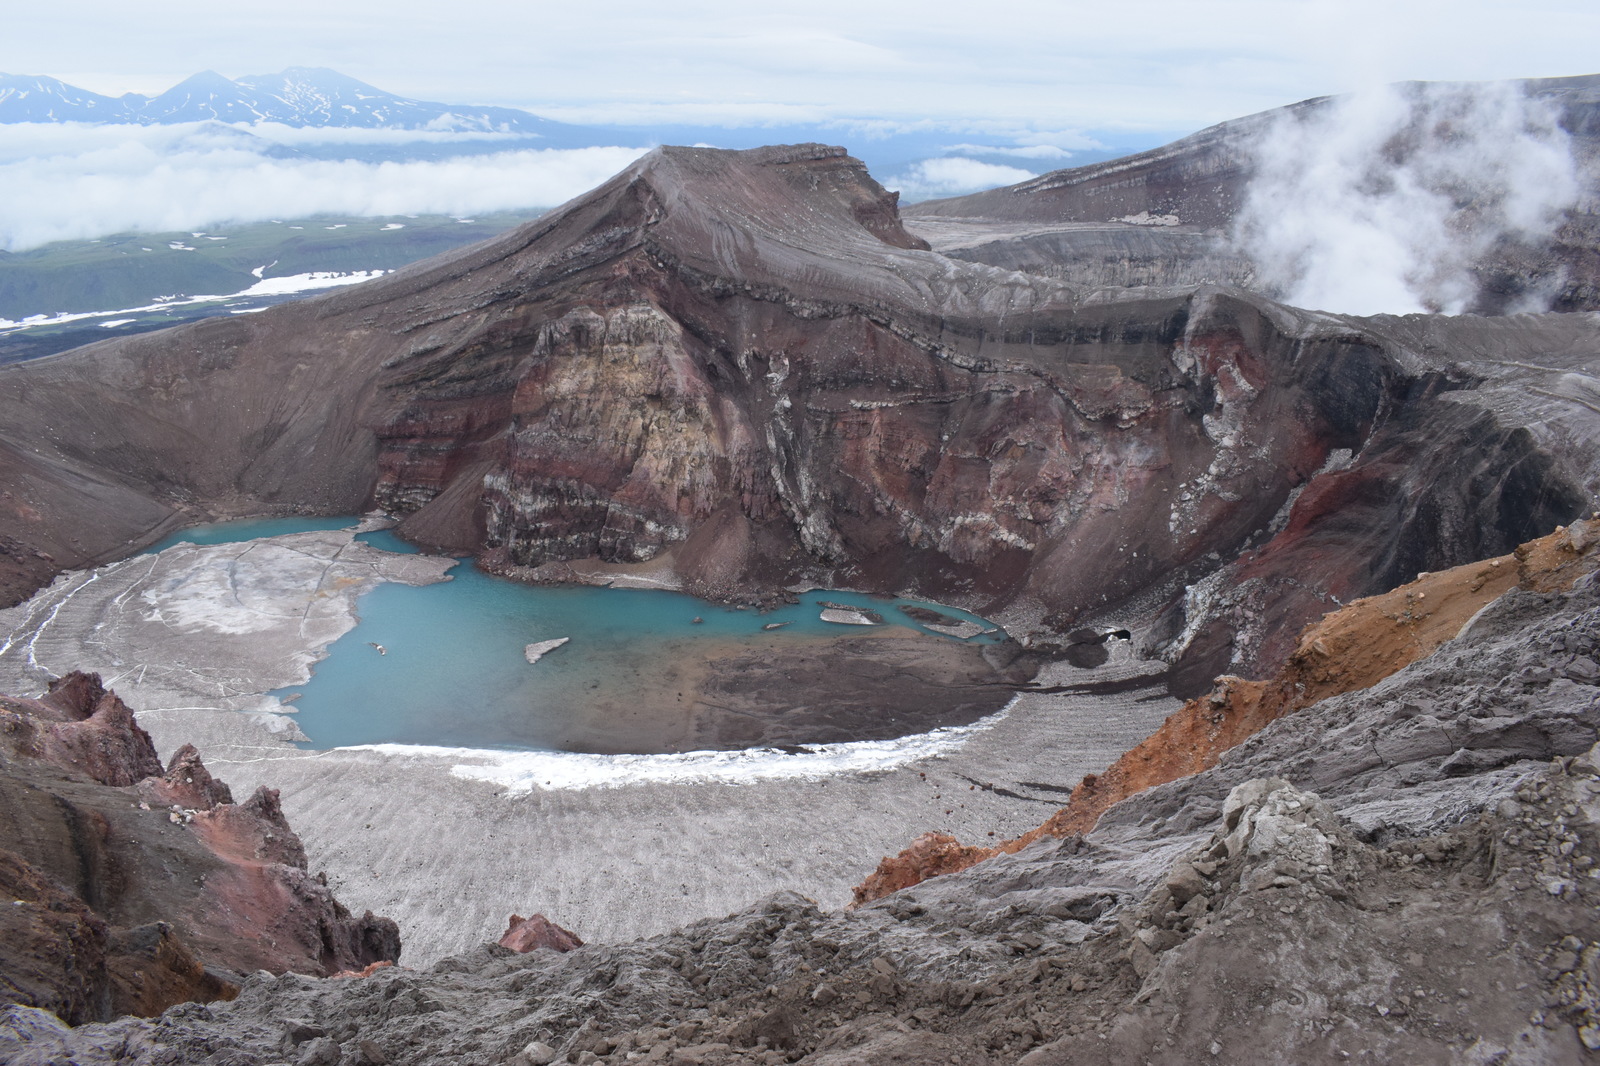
1088	255
927	615
54	947
1198	181
151	968
134	896
741	363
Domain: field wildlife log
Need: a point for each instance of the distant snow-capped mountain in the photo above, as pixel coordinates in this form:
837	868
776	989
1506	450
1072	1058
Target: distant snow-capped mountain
299	96
31	98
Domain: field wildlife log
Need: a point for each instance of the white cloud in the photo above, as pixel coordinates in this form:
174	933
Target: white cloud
952	176
1026	151
72	184
48	140
315	135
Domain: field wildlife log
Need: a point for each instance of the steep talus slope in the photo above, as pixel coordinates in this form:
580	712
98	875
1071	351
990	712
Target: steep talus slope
1090	255
1347	650
741	363
135	887
1402	874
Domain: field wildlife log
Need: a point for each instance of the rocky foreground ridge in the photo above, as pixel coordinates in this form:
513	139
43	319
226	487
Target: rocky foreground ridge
130	887
741	366
1404	873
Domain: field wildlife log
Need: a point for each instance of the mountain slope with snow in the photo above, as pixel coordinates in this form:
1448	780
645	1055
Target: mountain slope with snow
298	96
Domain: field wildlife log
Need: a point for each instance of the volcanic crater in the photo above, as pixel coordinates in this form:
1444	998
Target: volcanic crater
749	371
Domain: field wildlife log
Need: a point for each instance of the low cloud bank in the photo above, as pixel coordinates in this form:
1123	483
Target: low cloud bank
1382	201
1047	152
953	176
87	182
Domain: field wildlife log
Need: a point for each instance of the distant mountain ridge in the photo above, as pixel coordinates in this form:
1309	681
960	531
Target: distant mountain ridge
319	98
298	96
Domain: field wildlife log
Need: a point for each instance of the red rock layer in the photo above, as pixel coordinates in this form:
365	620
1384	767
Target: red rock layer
81	727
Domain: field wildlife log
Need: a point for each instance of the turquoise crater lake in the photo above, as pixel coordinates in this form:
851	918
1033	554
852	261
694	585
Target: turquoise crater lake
444	665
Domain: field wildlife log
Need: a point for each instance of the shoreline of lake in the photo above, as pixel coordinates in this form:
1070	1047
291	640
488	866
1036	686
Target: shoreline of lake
603	850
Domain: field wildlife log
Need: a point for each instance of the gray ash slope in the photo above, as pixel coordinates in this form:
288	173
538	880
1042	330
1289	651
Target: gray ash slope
1406	874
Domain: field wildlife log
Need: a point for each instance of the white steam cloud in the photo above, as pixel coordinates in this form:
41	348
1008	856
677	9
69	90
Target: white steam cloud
86	182
1382	201
952	176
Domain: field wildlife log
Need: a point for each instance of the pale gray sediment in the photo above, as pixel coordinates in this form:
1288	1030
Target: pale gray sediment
449	857
634	860
845	617
202	626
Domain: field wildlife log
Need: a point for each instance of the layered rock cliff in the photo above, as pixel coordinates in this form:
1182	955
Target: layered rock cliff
135	888
742	364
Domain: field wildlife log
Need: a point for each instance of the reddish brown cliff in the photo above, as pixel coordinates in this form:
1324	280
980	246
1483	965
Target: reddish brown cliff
139	888
739	364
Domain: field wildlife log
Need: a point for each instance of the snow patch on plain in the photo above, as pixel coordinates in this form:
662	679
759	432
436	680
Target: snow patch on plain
284	286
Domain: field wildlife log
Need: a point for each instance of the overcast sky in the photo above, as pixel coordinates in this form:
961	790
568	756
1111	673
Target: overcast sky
1150	65
1038	82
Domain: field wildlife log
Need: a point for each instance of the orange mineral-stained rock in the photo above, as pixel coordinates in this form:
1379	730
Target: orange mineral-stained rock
929	855
1347	650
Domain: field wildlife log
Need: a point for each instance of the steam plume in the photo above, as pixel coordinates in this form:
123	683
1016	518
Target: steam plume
1384	200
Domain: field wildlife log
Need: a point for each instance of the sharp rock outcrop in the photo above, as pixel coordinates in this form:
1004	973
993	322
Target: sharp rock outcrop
137	887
